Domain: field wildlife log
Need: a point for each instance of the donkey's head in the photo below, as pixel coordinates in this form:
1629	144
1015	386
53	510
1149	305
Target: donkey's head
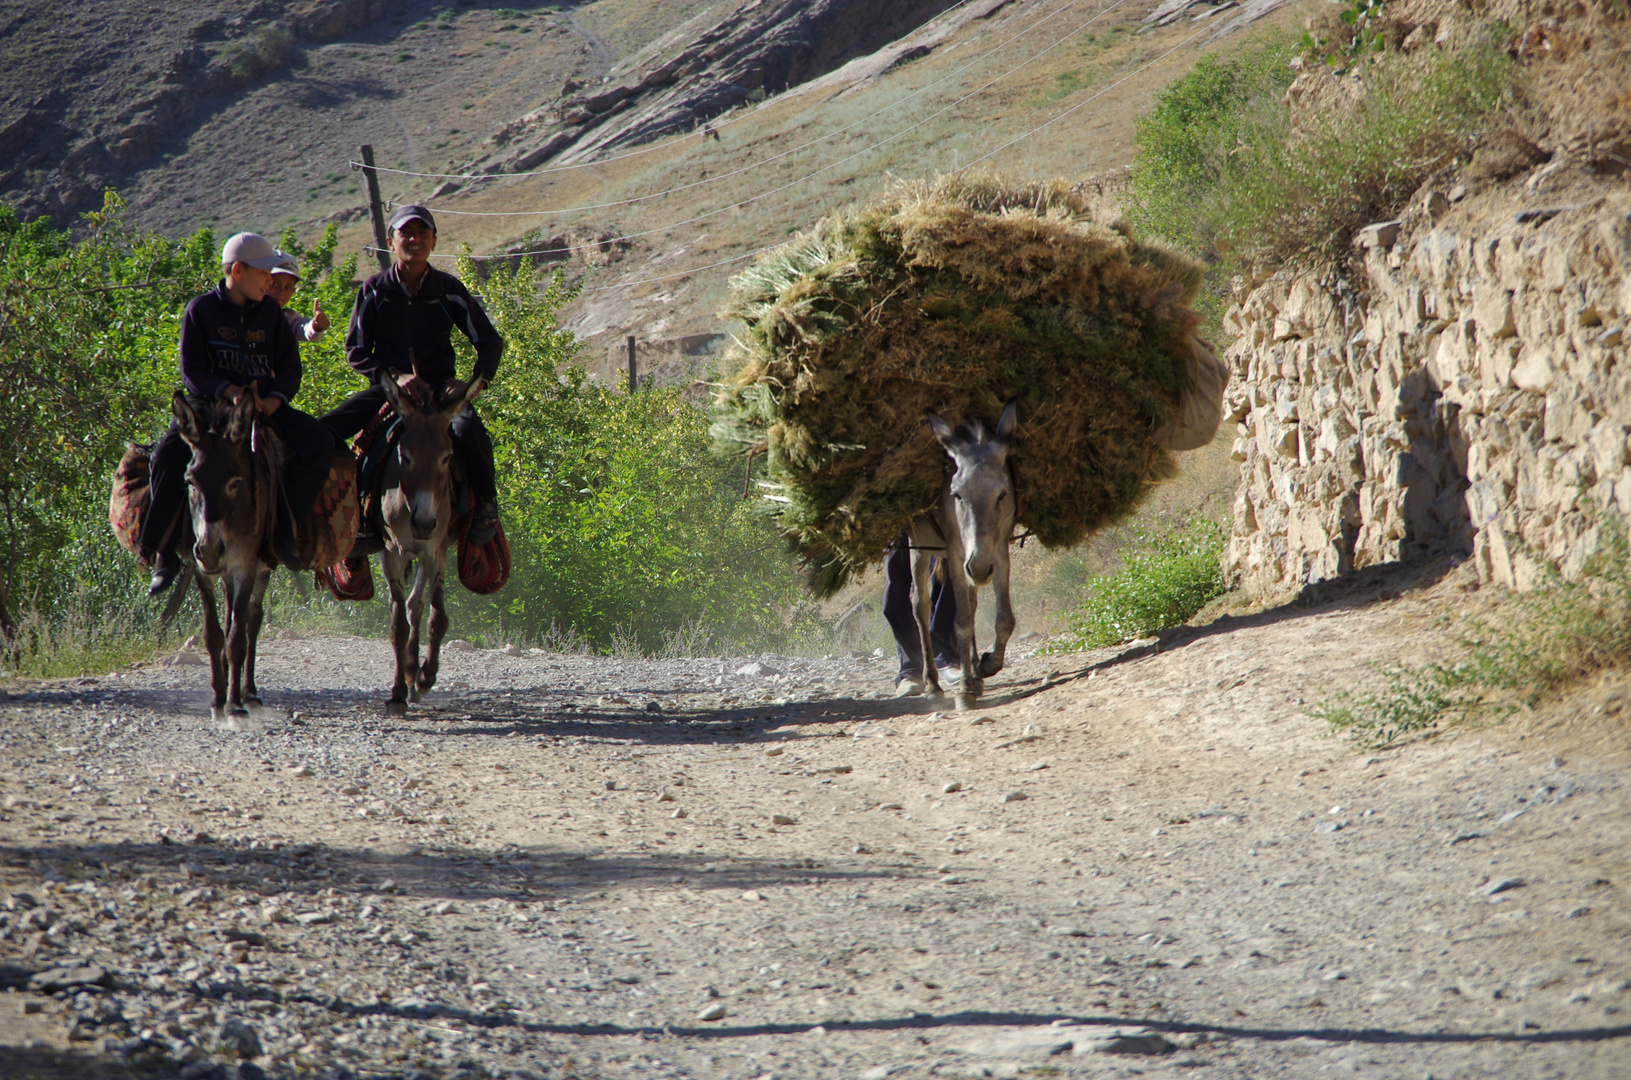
221	493
981	489
422	500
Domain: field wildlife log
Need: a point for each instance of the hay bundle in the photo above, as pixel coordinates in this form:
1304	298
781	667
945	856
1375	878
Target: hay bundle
955	295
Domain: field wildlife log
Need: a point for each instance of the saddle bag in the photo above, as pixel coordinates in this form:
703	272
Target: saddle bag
1200	405
131	496
483	568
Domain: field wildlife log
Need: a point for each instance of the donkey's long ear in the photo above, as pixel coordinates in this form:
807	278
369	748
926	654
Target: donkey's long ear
393	393
187	422
241	421
1009	421
462	402
943	433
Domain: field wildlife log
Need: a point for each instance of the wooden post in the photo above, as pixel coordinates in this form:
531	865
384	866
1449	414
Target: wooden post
634	382
376	208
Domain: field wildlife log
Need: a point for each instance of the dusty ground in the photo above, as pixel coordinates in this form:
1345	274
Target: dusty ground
588	866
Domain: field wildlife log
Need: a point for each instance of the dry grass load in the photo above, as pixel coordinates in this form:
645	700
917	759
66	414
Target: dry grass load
955	295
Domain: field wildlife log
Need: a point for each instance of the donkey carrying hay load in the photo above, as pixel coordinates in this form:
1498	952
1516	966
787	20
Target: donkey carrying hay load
958	296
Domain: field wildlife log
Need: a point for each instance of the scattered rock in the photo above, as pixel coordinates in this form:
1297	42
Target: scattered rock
239	1039
712	1012
1501	885
782	819
1030	1042
65	978
1015	796
457	645
1126	1042
757	670
512	650
955	785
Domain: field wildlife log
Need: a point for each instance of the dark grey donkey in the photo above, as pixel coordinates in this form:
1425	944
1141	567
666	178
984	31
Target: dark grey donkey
230	488
416	503
970	526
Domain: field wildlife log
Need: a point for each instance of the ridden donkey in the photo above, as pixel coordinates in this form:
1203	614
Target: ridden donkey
971	524
230	493
416	503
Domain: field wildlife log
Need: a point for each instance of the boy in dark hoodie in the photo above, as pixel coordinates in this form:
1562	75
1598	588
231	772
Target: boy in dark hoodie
402	329
232	338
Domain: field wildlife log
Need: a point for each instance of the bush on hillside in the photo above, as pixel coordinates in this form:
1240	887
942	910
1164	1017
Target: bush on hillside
1225	168
1166	576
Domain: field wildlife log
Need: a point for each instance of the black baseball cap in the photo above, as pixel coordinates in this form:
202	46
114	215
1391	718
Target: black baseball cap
412	211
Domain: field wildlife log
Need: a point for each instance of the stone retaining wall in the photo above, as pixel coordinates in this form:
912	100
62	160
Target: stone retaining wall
1464	391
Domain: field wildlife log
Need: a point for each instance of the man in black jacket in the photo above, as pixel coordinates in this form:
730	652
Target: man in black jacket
402	328
234	337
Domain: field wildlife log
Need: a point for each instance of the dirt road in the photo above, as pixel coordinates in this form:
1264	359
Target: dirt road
1141	861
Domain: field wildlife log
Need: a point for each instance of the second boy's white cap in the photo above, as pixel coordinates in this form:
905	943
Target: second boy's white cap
251	249
286	265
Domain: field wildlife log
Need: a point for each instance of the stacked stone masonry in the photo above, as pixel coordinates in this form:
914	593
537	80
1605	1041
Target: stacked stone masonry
1464	393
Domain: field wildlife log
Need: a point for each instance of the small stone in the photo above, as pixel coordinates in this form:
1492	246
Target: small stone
1334	976
665	797
782	819
1137	1042
654	706
458	645
300	772
446	907
314	918
878	1072
680	813
512	650
239	1039
1328	827
712	1012
63	978
757	670
1501	885
1015	796
1577	913
955	785
752	894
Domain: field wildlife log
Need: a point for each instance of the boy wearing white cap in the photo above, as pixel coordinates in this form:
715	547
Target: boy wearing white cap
233	337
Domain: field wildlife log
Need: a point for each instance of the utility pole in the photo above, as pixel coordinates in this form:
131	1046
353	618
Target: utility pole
633	377
376	208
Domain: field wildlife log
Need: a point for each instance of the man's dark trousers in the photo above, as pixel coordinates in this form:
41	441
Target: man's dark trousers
470	439
902	618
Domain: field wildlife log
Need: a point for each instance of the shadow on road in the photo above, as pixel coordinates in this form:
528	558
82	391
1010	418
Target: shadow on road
516	873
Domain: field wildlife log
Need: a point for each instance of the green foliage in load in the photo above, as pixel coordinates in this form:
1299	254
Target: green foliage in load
1167	575
955	295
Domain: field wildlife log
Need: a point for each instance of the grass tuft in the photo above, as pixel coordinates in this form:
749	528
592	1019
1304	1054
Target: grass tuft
1167	575
1548	641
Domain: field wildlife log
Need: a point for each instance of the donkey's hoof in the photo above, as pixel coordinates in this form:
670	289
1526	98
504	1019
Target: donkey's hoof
965	702
238	710
989	665
253	704
413	695
424	683
396	708
218	713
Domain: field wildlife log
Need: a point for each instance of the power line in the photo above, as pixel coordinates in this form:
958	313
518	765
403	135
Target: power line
752	165
602	161
826	168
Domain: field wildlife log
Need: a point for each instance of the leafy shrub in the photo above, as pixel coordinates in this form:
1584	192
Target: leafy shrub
1222	169
259	53
625	529
1167	576
1548	640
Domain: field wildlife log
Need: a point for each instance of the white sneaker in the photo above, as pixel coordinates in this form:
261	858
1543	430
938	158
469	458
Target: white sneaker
908	688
